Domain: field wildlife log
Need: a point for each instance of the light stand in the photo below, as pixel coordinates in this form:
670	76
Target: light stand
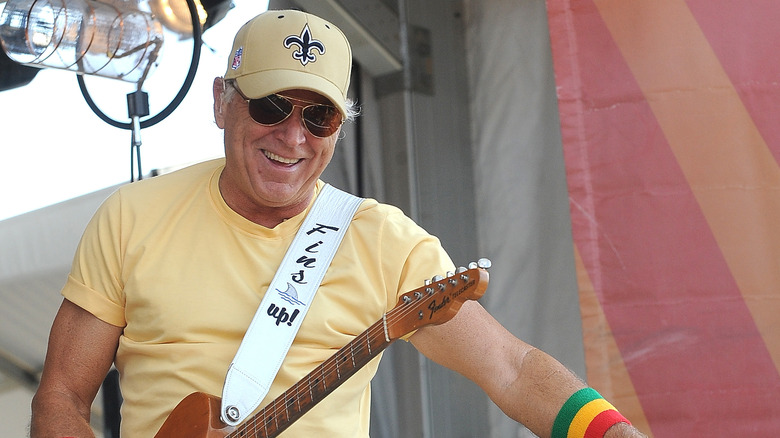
138	101
109	38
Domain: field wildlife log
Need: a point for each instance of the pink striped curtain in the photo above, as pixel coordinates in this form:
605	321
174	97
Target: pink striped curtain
670	119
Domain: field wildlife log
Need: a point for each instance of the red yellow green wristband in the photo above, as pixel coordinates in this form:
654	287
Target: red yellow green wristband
586	415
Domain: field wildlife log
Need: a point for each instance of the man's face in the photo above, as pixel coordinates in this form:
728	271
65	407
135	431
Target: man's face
270	168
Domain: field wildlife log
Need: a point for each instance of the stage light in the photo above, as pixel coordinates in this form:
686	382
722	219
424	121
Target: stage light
115	40
118	39
175	15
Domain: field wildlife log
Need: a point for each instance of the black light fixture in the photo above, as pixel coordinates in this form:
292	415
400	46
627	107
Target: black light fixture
13	75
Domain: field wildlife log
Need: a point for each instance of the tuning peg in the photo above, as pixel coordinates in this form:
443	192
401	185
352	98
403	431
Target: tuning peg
428	288
481	263
461	270
441	286
451	280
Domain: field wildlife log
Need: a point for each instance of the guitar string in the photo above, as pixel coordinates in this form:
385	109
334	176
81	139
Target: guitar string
331	364
275	409
278	406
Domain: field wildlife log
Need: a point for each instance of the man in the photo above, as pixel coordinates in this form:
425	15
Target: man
170	271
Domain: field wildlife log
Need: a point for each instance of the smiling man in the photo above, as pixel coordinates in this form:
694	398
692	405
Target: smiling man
171	270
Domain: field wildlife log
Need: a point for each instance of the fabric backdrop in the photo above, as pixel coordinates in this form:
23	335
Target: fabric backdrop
669	115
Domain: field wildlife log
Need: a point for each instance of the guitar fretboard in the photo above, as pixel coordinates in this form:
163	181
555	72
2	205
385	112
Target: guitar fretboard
301	397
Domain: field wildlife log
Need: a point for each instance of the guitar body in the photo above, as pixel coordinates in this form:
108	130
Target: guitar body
196	416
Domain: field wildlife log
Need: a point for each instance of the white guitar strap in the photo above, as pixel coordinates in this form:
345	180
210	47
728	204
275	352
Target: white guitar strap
285	303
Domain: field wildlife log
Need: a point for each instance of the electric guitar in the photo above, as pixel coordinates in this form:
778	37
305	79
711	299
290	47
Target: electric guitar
198	414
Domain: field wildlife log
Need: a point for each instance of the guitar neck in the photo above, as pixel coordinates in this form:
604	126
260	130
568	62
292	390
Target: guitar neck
318	384
197	415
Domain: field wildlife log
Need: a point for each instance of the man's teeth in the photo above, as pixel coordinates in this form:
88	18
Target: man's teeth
275	157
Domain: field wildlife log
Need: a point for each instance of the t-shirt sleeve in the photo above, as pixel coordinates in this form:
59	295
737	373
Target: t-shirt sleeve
95	280
410	256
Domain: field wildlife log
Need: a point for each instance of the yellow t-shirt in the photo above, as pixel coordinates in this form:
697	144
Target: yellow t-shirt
169	261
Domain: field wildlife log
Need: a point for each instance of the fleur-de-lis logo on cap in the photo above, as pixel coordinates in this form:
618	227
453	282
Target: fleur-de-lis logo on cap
306	44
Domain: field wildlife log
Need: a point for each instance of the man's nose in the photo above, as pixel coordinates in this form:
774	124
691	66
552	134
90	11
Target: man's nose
293	128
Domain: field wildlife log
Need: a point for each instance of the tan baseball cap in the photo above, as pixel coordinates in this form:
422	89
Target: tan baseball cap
288	49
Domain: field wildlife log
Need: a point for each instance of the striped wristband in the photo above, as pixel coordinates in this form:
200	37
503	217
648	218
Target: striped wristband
586	415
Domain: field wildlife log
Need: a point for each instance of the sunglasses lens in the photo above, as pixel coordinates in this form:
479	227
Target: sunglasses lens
270	110
322	120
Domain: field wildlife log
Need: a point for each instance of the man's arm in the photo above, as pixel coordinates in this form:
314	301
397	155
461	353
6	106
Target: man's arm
529	385
80	353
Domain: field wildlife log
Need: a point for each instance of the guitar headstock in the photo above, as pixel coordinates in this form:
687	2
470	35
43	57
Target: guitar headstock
438	300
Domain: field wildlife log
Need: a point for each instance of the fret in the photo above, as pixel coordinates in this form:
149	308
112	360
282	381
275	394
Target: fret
258	433
286	406
253	425
315	388
311	390
269	418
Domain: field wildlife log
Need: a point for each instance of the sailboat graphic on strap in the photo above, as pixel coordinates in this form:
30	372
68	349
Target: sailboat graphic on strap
290	295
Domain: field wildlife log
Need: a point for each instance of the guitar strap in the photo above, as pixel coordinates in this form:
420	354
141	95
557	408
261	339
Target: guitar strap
285	303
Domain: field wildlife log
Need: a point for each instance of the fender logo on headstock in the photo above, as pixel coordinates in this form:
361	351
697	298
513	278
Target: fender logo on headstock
434	306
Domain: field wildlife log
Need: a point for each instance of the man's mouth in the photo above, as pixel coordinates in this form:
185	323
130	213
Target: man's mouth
277	158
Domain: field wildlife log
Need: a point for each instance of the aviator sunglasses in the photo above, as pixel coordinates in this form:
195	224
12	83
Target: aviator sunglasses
319	119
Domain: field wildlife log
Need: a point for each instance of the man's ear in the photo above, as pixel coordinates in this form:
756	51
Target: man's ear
218	91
